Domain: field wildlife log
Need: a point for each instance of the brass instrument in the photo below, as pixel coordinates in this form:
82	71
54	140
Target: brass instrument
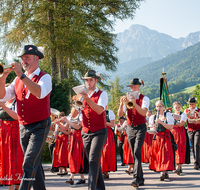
3	67
129	104
51	138
78	104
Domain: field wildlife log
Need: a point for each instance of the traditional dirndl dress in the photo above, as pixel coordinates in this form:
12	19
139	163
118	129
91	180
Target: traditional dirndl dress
78	162
108	155
179	134
60	154
146	148
127	154
162	158
11	156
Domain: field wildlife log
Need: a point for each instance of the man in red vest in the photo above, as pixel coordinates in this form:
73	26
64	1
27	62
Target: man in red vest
32	92
194	129
136	129
94	132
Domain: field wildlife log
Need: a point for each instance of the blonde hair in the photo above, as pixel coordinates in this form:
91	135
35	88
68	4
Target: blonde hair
176	103
160	102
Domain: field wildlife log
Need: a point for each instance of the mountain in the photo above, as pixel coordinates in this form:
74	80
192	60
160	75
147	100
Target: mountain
181	66
139	41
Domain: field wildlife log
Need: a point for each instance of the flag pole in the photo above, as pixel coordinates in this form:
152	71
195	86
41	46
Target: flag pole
164	93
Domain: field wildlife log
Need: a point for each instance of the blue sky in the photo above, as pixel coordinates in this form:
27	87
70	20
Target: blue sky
176	18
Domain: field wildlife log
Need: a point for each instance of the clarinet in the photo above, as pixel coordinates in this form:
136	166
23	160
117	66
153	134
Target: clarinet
158	112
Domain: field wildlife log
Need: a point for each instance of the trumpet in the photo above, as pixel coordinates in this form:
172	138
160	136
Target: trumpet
78	103
129	104
3	67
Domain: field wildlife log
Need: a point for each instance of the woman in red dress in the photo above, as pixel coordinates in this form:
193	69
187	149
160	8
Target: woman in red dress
128	157
60	154
162	159
179	134
146	147
78	162
11	157
108	155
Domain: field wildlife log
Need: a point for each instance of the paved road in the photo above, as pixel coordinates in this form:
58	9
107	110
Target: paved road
119	180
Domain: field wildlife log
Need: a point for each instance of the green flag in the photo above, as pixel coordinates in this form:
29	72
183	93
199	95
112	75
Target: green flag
164	93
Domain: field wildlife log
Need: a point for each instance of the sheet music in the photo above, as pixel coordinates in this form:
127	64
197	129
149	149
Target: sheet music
132	93
175	116
79	89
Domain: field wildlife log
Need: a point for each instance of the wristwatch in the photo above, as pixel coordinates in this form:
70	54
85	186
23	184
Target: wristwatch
23	76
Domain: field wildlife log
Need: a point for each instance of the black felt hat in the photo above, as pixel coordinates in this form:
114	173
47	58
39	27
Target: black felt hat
31	50
91	74
122	117
135	81
192	100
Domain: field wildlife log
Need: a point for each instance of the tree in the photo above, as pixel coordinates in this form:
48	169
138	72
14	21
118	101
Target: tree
197	94
115	93
76	34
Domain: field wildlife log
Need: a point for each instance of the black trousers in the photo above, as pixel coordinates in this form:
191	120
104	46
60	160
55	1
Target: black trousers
120	146
195	140
136	136
51	150
93	144
32	138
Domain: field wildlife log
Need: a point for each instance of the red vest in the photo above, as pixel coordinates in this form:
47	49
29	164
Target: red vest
91	120
192	127
133	117
32	109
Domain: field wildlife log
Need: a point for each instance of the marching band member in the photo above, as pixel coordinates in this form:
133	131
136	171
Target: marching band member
60	153
146	148
179	134
11	156
32	92
94	131
108	155
128	157
136	130
120	138
78	162
194	129
162	156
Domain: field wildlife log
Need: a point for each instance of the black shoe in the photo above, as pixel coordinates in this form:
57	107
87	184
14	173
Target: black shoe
61	174
178	172
123	164
80	182
129	173
196	166
181	171
70	181
52	170
135	183
162	177
166	176
105	176
141	182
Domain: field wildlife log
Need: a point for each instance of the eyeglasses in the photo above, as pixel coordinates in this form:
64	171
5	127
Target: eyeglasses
159	106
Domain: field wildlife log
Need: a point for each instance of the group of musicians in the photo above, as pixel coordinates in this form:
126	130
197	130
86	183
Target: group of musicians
31	91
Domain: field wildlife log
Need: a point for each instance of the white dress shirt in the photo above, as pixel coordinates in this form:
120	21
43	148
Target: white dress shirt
103	99
169	118
44	82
